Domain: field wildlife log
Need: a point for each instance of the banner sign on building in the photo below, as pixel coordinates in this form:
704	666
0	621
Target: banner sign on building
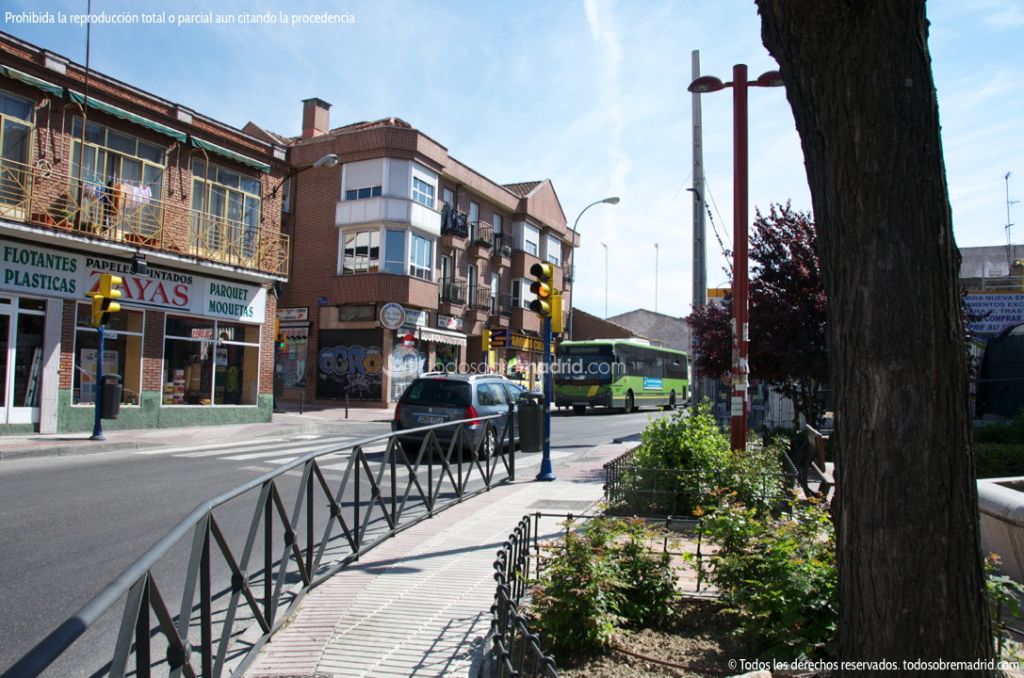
995	312
54	273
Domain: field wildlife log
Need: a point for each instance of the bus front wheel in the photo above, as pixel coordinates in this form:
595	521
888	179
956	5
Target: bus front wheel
628	407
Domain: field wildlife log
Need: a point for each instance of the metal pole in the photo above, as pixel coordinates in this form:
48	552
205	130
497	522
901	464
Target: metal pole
700	279
740	328
655	277
97	426
605	246
546	472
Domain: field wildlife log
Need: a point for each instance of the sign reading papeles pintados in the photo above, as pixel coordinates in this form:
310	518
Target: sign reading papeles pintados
40	271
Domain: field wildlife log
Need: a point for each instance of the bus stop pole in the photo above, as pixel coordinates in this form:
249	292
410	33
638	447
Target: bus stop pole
546	472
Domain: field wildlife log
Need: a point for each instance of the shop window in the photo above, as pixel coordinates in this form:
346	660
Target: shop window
122	348
210	363
291	358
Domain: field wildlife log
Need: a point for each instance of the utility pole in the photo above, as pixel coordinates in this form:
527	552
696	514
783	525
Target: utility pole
655	277
700	276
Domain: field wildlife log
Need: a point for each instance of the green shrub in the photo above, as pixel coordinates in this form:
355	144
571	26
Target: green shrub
599	578
778	575
993	460
683	440
1004	433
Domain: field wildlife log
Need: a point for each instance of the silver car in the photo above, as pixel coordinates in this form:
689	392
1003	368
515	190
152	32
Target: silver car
439	397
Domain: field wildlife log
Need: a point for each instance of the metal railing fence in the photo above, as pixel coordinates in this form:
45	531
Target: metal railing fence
650	492
381	492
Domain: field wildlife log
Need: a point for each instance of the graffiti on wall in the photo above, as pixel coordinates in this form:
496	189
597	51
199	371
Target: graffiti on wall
350	364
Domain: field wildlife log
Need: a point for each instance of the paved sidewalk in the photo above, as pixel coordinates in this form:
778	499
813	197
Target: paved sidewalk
287	418
419	604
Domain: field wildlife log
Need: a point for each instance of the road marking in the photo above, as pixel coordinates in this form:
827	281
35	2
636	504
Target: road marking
175	450
264	450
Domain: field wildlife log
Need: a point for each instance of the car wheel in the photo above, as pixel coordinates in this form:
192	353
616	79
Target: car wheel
579	409
490	444
629	406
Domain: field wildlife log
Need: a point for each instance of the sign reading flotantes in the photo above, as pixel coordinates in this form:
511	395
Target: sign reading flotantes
53	273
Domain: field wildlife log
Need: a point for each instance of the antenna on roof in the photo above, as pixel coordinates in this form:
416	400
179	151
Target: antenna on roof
1009	242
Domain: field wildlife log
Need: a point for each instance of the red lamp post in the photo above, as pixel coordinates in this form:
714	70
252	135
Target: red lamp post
740	285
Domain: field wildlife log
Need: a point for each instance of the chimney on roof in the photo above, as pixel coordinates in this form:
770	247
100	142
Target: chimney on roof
316	117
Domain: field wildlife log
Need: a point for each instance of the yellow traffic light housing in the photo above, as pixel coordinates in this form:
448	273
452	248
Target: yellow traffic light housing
557	319
103	299
543	288
485	340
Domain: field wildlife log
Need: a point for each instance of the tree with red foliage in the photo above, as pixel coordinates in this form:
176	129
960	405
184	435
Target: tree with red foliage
787	314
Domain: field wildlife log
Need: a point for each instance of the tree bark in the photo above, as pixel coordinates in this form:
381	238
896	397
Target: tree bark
858	78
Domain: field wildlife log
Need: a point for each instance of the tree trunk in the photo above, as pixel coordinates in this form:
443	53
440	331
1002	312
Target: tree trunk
858	77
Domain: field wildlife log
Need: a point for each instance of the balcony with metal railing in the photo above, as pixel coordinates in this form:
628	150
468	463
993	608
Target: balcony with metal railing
452	291
481	239
47	198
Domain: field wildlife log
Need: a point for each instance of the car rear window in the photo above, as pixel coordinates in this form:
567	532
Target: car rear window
437	392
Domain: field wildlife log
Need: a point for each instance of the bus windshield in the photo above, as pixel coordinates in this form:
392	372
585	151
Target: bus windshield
585	365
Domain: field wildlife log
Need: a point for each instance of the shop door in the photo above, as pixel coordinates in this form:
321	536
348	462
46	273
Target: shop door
21	362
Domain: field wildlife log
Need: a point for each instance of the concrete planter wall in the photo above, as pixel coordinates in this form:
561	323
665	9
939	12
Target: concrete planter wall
1001	510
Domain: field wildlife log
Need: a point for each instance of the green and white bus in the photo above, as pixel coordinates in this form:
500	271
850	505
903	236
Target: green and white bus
624	373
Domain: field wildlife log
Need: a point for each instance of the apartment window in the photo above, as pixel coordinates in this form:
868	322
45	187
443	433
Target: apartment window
521	293
531	239
209	362
394	252
495	281
226	212
421	259
363	193
554	250
15	132
474	220
361	252
111	160
497	230
448	196
474	277
422	192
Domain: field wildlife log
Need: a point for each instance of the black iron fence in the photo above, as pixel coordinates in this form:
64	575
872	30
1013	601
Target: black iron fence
636	490
387	485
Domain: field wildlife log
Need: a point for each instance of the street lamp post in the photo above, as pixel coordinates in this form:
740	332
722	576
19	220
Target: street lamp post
655	277
740	288
605	246
614	200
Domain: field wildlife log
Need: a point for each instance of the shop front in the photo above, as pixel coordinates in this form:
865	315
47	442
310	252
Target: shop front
187	348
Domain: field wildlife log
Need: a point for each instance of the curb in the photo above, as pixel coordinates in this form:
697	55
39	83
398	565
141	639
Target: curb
69	450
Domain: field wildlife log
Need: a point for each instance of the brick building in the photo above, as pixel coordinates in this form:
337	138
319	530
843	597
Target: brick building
404	256
98	176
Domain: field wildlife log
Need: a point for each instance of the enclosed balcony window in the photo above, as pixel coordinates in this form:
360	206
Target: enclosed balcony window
15	133
361	252
421	257
422	192
363	193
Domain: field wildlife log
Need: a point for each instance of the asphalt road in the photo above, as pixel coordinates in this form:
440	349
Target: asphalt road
69	525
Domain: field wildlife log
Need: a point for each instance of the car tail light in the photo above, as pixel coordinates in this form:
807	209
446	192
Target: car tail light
471	413
396	412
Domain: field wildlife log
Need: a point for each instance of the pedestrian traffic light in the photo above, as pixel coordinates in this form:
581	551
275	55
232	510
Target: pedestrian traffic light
485	340
104	299
543	288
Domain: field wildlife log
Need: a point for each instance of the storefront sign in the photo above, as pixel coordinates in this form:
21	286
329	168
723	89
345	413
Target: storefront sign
499	337
392	316
416	317
52	273
526	343
447	322
994	312
293	314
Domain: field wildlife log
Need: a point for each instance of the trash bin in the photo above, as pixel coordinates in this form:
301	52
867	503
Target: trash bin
111	396
531	423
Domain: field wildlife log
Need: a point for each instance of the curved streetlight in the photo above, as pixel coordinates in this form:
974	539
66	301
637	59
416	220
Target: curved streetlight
740	287
329	160
614	200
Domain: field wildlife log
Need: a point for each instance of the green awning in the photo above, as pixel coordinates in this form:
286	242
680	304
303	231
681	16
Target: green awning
238	157
125	115
48	87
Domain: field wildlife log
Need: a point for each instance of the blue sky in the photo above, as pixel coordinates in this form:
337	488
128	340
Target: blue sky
589	93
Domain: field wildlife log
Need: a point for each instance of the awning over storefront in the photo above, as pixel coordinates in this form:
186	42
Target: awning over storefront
442	336
227	153
78	97
47	87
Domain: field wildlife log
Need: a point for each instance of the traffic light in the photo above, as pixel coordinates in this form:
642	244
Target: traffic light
485	340
543	288
104	299
279	338
556	313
